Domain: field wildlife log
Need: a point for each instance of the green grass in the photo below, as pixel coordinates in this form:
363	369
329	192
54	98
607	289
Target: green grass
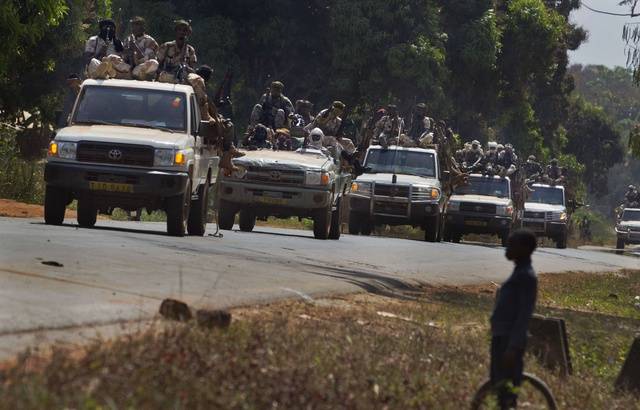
350	352
155	216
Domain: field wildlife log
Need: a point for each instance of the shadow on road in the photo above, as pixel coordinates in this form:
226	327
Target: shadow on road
111	228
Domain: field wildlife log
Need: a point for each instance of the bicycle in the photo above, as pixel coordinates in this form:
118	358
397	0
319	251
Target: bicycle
529	382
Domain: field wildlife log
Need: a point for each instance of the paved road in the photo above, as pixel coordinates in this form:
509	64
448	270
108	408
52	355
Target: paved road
120	272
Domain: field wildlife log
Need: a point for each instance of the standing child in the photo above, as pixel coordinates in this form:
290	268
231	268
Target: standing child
515	302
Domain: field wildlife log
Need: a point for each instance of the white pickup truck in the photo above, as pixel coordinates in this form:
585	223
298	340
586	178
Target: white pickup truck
402	187
545	213
628	228
131	145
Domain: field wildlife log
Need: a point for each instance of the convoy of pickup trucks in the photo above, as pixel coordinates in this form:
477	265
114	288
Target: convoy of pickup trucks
138	144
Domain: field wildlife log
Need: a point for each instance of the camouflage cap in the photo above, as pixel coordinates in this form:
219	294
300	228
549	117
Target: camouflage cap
532	158
277	85
138	20
339	105
182	23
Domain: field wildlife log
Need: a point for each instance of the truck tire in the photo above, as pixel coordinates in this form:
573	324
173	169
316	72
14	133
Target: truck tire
55	204
432	229
366	227
226	216
197	224
456	237
355	222
177	209
620	246
504	238
336	220
322	223
87	212
561	241
247	221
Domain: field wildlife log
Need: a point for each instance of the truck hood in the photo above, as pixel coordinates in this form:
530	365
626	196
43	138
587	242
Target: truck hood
480	199
286	160
124	135
538	207
403	179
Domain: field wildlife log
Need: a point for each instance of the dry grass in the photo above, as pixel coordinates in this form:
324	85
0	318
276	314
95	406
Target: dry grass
357	352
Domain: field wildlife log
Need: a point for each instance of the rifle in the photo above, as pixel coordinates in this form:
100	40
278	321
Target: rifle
222	99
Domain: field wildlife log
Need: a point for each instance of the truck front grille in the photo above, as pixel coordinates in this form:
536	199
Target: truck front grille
273	175
120	154
392	190
390	208
534	215
478	208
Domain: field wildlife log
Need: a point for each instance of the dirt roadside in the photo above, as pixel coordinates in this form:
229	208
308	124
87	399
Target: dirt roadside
14	209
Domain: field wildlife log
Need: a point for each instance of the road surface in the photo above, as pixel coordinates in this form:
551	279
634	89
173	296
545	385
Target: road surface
120	271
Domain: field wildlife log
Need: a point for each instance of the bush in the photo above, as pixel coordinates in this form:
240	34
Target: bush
21	180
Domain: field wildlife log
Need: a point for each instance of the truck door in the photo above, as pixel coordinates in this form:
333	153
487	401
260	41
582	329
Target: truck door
200	165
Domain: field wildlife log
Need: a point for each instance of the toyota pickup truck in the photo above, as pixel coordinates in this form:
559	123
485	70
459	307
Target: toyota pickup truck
545	213
401	187
306	183
628	228
483	206
131	145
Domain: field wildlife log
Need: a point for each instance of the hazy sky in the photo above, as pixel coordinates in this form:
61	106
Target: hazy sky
605	45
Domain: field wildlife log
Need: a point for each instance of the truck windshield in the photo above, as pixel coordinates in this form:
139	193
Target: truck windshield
401	162
133	107
546	195
631	215
489	186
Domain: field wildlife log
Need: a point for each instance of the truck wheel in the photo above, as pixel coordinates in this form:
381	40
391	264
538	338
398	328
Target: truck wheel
55	203
561	241
366	227
432	229
620	246
322	223
504	238
456	237
178	212
334	230
247	221
226	216
87	212
355	222
197	224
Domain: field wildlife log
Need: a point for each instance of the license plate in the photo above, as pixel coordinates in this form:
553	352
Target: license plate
475	223
271	201
110	187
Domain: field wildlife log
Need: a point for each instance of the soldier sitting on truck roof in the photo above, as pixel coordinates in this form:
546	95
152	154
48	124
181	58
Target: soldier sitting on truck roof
103	54
389	127
632	197
554	174
420	124
473	157
177	58
508	160
532	168
272	112
141	51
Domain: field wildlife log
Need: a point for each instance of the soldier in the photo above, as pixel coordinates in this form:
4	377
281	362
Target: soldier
554	172
177	58
328	120
532	168
389	127
474	156
103	54
420	124
141	50
301	119
273	110
632	197
508	160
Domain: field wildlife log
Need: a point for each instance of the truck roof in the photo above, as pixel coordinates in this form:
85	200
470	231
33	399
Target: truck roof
393	147
548	186
149	85
487	176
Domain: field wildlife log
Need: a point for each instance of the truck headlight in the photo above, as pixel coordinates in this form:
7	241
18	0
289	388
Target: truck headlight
164	157
504	210
316	178
419	192
361	188
63	149
453	206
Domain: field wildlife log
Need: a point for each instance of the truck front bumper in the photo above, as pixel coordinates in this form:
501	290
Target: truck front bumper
266	197
541	227
629	237
103	180
476	223
394	211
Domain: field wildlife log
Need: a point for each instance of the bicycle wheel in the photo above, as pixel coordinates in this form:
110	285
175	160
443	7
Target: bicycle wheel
532	394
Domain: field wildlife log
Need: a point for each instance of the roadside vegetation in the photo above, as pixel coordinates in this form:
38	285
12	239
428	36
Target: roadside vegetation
363	351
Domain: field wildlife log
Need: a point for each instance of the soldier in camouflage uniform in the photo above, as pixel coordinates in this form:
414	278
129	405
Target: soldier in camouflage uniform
103	54
420	124
389	127
141	50
532	168
273	110
176	58
328	120
554	173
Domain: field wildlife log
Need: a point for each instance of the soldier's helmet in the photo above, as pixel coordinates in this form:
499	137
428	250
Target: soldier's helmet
277	85
339	105
182	23
492	145
475	144
500	147
531	158
138	20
